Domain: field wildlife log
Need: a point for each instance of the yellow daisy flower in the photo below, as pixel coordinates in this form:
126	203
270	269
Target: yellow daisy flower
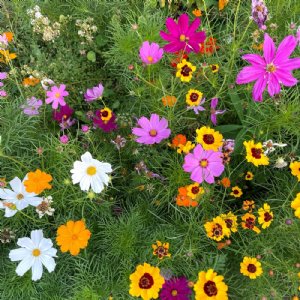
249	176
251	267
146	282
186	148
209	138
265	216
236	192
194	191
295	169
296	205
193	97
249	222
255	153
161	249
210	286
230	220
214	68
217	229
185	70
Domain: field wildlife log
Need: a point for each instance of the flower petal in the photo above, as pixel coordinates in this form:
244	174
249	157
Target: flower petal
258	89
285	49
254	59
24	265
269	49
37	270
249	74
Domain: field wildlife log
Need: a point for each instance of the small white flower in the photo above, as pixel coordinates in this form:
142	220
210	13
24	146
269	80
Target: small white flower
280	163
33	254
17	198
91	173
45	207
271	147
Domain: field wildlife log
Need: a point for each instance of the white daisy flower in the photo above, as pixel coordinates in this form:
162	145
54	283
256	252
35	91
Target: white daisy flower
17	198
91	172
33	254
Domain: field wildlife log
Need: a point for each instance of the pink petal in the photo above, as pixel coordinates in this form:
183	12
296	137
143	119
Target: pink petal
144	123
139	132
254	59
258	89
194	26
55	104
174	47
213	118
216	169
198	37
249	74
163	123
167	37
273	85
214	102
286	78
154	121
269	49
190	163
148	140
291	64
165	133
195	46
172	27
208	177
197	175
183	23
198	152
285	49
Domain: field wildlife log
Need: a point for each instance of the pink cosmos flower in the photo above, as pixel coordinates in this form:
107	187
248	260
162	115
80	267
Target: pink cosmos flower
56	96
94	93
64	139
32	106
152	131
213	111
3	75
182	35
272	69
151	53
3	93
85	128
204	165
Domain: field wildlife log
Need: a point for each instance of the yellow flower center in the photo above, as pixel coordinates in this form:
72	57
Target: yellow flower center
153	132
91	170
36	252
182	38
150	58
174	293
20	196
57	95
271	68
203	163
74	237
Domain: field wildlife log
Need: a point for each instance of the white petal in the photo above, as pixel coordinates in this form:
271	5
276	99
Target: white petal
50	252
97	185
19	254
34	201
86	157
21	204
106	167
9	212
7	194
36	237
104	177
16	185
77	177
25	242
24	265
48	262
37	270
85	183
45	244
78	166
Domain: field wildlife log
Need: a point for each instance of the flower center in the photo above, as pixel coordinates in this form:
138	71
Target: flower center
65	117
236	192
182	38
228	223
150	58
259	8
174	293
267	217
195	189
208	139
74	237
146	281
210	288
217	231
256	153
36	252
203	163
91	170
251	268
250	223
57	95
185	70
194	97
271	68
104	113
153	132
20	196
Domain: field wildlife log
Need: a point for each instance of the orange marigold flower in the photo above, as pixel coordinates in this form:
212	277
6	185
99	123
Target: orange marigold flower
183	199
209	46
30	81
225	182
179	139
73	236
258	47
222	4
169	100
197	12
9	36
37	182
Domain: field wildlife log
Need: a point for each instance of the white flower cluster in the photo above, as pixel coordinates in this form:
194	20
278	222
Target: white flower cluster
86	29
42	24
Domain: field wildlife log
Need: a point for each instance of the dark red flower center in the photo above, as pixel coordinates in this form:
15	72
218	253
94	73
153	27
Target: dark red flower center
217	231
186	70
214	67
210	288
236	192
208	139
229	223
256	153
250	223
195	189
194	97
104	114
267	217
251	268
146	281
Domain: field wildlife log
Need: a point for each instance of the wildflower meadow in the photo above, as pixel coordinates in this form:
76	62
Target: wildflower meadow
149	149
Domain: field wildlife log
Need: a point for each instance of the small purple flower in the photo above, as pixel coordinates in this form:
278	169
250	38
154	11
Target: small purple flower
228	145
65	124
175	289
198	108
151	53
3	75
32	106
3	93
63	114
64	139
1	84
94	93
56	96
259	13
213	111
85	128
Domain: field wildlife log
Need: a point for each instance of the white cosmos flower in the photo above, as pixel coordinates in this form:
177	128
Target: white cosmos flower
280	163
33	254
90	172
17	198
270	146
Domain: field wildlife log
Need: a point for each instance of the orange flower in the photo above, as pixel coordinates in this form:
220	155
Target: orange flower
9	36
169	100
258	47
6	56
197	12
225	182
222	4
209	46
30	81
72	237
37	182
179	139
183	199
179	56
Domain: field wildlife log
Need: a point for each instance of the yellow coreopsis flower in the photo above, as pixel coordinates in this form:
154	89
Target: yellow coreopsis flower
161	250
255	153
251	267
185	70
209	138
265	216
217	229
193	97
296	205
230	220
295	169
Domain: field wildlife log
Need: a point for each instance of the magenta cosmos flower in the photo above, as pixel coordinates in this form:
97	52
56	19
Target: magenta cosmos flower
56	96
152	131
151	53
63	114
175	289
94	93
182	35
204	165
271	70
213	111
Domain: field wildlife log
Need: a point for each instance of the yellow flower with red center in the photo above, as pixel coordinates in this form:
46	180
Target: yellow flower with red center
249	222
210	286
105	114
37	182
251	267
248	205
230	220
214	68
255	153
146	282
217	229
186	148
6	56
249	176
296	205
209	138
169	101
236	192
193	97
195	191
265	216
161	250
295	169
185	70
72	237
